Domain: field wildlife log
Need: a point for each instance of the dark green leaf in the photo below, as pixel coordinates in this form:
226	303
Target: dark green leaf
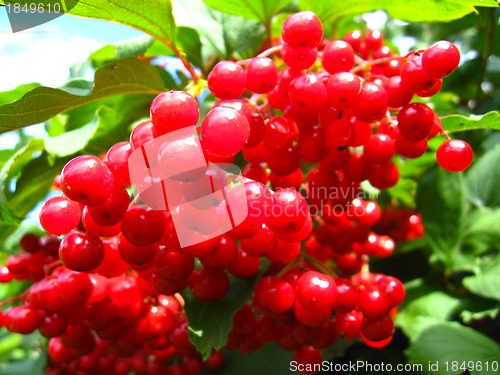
262	11
487	285
210	322
483	179
18	92
424	307
441	200
220	33
458	123
270	359
123	77
409	10
453	342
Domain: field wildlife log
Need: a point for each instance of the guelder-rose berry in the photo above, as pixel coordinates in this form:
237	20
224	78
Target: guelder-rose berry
302	30
81	252
174	110
60	215
87	180
440	59
227	80
224	131
262	75
274	294
454	155
316	291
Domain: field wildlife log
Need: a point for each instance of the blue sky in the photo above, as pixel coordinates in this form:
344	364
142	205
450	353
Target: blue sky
45	53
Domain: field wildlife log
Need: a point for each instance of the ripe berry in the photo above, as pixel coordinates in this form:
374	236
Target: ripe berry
413	76
307	92
86	179
274	294
111	211
372	102
316	291
208	284
227	80
384	176
81	252
338	56
302	30
415	121
22	319
308	358
289	211
373	301
377	329
142	134
142	227
299	59
262	75
380	148
440	59
454	155
343	90
60	215
280	132
117	161
173	110
224	131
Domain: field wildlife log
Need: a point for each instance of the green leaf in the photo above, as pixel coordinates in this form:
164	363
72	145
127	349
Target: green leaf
262	11
408	10
32	174
188	42
483	178
210	322
487	286
441	200
154	17
70	142
123	77
458	123
469	317
452	342
424	306
482	229
404	191
12	95
220	33
270	359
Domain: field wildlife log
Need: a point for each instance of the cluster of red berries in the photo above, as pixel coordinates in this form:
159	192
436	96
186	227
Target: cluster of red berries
97	324
109	308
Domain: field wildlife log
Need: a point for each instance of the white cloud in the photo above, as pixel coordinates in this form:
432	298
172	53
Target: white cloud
41	57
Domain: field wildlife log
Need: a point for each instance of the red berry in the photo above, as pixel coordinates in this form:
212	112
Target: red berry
208	284
308	360
81	252
174	110
86	179
262	75
373	301
415	121
307	92
454	155
338	56
302	30
289	211
380	148
142	227
274	294
117	161
227	80
440	59
316	291
60	215
224	131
